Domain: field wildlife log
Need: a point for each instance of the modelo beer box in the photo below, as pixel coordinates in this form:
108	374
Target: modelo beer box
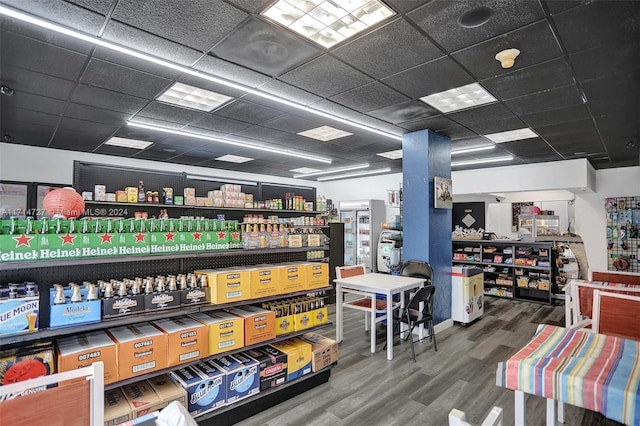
83	350
205	387
226	331
298	357
187	339
116	407
227	285
273	365
65	311
168	390
243	376
259	324
142	348
324	350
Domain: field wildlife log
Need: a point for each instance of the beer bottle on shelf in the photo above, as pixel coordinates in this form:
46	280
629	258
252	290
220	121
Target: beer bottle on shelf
141	193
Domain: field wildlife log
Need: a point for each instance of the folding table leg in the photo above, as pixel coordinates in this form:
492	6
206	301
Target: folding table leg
373	324
519	406
551	412
560	412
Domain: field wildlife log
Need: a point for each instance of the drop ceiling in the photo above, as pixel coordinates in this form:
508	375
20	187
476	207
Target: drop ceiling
576	82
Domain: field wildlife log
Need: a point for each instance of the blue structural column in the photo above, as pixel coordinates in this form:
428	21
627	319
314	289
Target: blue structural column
427	230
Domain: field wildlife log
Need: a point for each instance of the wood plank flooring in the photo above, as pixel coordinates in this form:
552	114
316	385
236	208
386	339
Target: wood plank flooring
367	389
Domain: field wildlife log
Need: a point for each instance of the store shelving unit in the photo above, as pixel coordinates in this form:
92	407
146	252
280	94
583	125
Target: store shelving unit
512	269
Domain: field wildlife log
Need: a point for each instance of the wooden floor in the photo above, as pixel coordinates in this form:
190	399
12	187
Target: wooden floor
367	389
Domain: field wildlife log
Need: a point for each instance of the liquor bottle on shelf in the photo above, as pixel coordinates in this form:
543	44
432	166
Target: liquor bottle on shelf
141	193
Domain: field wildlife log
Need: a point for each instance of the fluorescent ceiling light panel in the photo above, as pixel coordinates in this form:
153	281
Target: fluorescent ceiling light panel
511	135
462	97
328	22
481	161
325	133
472	149
242	144
336	170
25	17
234	159
393	155
186	96
304	170
355	174
128	143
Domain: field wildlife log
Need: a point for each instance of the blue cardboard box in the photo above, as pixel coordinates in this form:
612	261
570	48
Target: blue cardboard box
70	314
205	385
243	376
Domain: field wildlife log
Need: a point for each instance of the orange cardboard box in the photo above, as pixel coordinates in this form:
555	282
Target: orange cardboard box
142	348
259	324
187	339
227	285
83	350
293	277
226	331
142	398
317	275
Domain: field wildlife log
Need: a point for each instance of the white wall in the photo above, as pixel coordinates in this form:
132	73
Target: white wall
498	216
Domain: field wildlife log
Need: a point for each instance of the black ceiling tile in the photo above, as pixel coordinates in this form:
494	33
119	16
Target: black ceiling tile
291	124
485	127
603	61
165	112
149	44
96	115
199	26
28	116
369	97
22	80
561	129
135	63
527	147
545	100
230	72
219	124
618	87
124	80
470	142
379	125
288	92
536	43
250	6
30	31
404	111
107	99
598	22
557	6
269	103
27	133
247	111
405	6
325	76
64	13
264	47
618	127
34	103
555	116
489	112
158	123
41	57
537	78
76	140
457	132
191	157
100	6
326	106
440	20
435	123
628	162
154	155
400	46
432	77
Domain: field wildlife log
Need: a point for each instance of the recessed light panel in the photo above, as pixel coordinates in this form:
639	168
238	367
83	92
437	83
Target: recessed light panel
462	97
354	174
328	22
304	170
481	161
234	159
128	143
511	135
186	96
393	155
336	170
324	133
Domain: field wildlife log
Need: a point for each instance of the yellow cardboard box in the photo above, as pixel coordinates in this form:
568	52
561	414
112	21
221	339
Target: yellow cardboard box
298	357
226	331
83	350
187	339
227	285
293	277
317	275
324	350
265	281
320	316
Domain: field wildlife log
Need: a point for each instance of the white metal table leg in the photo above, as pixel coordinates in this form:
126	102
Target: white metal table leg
519	406
560	412
373	323
551	412
389	326
339	296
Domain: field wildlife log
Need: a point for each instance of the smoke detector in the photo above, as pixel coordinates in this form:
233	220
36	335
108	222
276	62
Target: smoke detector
507	57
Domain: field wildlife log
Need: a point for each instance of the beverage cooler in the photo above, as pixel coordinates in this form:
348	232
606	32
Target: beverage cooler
467	294
362	224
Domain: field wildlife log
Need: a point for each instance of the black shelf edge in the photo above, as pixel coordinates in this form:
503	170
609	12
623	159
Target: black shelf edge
142	317
150	257
176	206
262	394
244	348
500	297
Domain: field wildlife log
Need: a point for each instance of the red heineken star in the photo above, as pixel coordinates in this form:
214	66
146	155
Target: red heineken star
169	236
221	235
196	236
235	235
23	240
106	238
67	239
140	237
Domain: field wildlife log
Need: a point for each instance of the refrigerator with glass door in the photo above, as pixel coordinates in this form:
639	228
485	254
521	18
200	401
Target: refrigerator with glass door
362	224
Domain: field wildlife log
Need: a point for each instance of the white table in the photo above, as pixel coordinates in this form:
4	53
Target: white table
375	283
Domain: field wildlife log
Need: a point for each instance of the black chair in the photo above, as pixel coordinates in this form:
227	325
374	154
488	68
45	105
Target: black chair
413	315
417	268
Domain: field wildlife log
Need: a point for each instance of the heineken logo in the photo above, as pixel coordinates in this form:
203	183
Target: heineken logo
23	240
196	236
106	238
67	239
169	236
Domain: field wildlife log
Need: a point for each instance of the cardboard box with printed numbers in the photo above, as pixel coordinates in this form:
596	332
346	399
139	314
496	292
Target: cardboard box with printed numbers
317	275
259	324
142	348
227	285
82	350
116	408
187	339
226	331
265	281
293	277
